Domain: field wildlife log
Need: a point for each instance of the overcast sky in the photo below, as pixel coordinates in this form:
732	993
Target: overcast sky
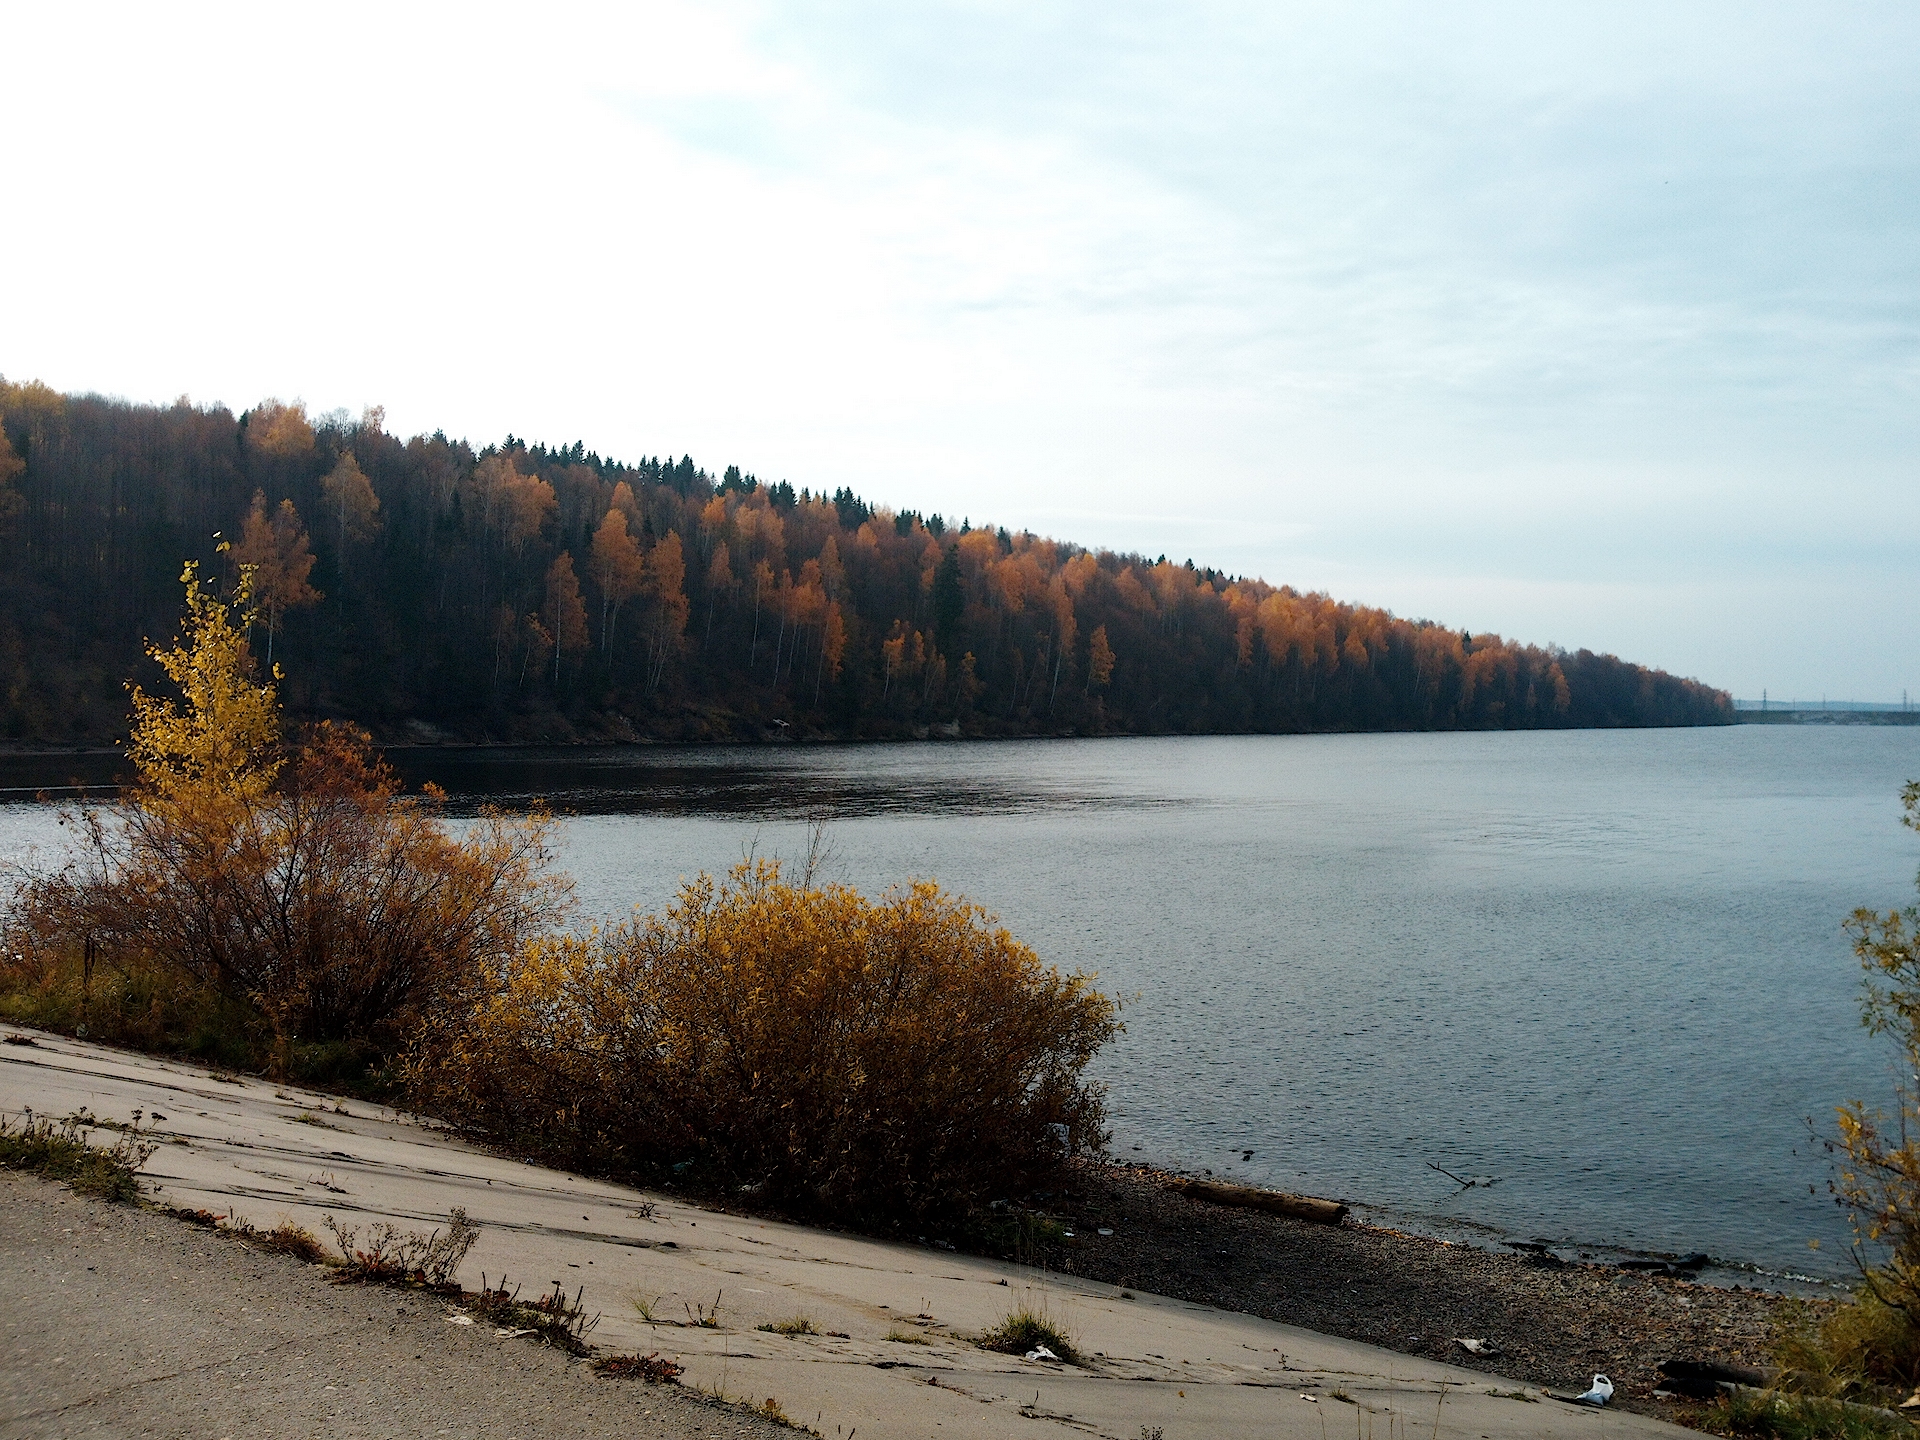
1593	327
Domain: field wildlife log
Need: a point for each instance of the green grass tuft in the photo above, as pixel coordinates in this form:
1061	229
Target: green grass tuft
59	1150
1026	1329
798	1325
1780	1416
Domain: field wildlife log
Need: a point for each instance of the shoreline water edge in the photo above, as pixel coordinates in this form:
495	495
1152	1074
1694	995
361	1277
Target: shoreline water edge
1539	1316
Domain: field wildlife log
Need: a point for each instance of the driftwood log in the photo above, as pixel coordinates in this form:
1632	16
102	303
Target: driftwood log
1707	1379
1245	1197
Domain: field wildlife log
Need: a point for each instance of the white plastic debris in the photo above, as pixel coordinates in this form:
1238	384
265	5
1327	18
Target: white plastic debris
512	1334
1041	1352
1601	1392
459	1319
1475	1347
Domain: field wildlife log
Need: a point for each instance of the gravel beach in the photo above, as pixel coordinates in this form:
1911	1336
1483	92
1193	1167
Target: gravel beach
1555	1325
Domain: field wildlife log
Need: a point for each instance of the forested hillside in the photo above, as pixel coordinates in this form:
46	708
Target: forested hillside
428	590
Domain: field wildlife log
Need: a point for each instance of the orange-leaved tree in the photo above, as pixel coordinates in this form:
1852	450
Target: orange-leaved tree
282	431
892	1058
619	570
666	574
276	550
1099	660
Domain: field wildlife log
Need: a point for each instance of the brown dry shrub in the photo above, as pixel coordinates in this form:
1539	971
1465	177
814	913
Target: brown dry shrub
288	1238
883	1059
393	1256
654	1368
552	1319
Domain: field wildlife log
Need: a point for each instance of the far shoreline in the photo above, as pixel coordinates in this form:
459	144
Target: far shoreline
387	740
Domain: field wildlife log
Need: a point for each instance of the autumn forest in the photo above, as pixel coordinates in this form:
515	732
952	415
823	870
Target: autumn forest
431	591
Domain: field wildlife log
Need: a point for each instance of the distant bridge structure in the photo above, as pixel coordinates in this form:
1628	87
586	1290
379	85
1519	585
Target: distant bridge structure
1766	711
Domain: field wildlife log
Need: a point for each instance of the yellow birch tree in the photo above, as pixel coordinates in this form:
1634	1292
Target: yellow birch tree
565	614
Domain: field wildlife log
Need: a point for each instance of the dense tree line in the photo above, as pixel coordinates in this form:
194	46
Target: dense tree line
426	589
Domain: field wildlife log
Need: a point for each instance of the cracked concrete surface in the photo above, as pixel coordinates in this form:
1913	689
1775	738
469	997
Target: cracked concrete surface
271	1155
120	1322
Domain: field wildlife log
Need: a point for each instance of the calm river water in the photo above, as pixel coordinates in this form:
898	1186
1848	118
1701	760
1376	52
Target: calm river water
1603	968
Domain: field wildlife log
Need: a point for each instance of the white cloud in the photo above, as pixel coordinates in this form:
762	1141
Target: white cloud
1419	304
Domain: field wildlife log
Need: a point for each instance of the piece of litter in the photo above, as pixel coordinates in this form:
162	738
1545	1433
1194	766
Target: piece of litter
1041	1352
1105	1231
512	1334
1601	1392
1475	1347
459	1319
1311	1399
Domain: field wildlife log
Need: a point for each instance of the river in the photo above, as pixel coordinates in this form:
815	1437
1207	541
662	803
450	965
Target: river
1604	970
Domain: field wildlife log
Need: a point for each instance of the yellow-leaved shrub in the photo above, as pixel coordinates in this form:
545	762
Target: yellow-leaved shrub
885	1059
243	885
1875	1340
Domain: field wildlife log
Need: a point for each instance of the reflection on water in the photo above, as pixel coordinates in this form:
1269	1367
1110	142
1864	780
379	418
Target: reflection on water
58	776
1604	968
840	782
761	782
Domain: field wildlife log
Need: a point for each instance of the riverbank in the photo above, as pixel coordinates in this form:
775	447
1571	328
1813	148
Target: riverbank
1541	1318
887	1348
1546	1319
